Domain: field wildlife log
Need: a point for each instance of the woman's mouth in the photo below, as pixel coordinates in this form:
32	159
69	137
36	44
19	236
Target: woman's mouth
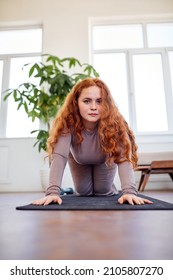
93	115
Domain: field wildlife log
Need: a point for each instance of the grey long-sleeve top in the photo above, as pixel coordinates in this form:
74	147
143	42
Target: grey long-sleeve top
88	152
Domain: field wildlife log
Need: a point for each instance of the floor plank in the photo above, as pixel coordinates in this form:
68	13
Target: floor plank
84	234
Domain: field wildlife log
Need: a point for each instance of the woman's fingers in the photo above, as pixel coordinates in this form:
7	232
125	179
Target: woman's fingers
55	199
125	198
38	201
47	200
121	200
133	199
147	201
140	200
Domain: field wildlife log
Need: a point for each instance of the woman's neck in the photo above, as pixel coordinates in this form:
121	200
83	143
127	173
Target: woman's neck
90	126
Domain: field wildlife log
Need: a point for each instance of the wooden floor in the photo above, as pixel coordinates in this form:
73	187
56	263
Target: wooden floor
84	235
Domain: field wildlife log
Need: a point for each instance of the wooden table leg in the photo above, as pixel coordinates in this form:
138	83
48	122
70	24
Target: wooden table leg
145	179
141	180
171	175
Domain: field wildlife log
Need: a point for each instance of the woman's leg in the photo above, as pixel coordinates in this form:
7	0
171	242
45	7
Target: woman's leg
82	177
103	177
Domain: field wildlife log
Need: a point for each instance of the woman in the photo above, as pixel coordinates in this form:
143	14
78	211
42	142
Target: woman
90	133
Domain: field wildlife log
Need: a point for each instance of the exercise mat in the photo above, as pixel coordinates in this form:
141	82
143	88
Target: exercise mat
73	202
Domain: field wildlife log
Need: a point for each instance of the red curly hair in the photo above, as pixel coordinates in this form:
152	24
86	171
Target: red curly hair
116	138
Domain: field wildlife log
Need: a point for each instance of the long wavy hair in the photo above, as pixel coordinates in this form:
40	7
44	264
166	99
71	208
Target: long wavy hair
116	138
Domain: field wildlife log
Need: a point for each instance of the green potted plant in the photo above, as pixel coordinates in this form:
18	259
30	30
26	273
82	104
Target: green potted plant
56	77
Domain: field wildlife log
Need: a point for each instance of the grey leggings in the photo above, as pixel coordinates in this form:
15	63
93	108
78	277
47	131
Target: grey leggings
92	179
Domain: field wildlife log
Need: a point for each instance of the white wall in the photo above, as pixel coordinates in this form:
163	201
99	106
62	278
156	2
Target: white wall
65	25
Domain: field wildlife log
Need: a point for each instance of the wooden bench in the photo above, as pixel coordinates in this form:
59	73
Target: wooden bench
156	167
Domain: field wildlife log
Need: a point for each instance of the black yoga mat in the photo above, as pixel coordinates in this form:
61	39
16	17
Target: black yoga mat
73	202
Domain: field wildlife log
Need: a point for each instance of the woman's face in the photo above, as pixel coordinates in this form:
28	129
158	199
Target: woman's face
89	103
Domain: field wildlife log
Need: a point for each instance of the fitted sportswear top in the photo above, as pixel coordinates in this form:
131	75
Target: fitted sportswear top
87	153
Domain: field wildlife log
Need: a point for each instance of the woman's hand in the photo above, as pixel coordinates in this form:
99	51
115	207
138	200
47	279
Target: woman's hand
133	199
47	200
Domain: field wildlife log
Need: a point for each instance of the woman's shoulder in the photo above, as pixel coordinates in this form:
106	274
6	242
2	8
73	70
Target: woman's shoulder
65	134
63	143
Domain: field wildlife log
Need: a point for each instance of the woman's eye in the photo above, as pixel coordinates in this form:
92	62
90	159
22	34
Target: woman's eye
99	101
86	101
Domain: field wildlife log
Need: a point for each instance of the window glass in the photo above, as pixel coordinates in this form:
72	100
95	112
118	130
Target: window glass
1	72
21	41
151	115
18	124
160	35
117	36
171	68
112	70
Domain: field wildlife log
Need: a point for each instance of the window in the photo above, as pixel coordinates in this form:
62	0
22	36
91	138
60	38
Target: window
21	41
160	35
149	91
171	69
136	62
17	50
1	72
117	36
22	126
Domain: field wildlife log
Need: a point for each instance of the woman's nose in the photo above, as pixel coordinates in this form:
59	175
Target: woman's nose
93	106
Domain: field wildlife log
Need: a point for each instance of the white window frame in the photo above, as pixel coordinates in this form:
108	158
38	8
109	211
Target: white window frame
142	137
6	58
